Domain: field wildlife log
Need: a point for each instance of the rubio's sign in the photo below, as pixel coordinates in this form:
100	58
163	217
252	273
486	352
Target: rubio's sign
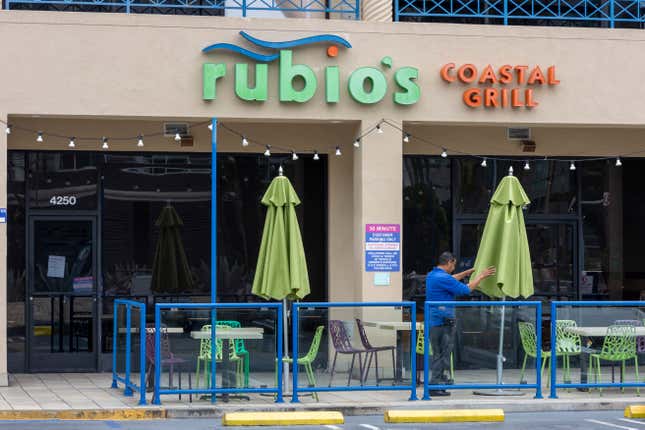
365	85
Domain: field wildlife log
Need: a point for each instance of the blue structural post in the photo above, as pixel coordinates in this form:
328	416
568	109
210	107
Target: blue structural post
213	381
279	314
155	397
554	356
612	13
357	11
426	350
143	336
505	12
294	353
114	343
128	352
538	356
413	354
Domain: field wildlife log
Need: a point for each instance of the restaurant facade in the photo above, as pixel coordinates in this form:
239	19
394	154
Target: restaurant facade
376	123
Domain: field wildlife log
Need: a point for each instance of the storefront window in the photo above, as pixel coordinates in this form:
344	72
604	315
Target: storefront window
473	185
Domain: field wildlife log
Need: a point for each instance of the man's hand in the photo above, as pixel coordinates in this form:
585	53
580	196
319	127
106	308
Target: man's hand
488	272
483	275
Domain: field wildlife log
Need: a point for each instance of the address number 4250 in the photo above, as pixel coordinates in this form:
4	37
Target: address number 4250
63	201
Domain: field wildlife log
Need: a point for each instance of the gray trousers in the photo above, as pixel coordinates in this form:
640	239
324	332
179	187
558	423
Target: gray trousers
442	341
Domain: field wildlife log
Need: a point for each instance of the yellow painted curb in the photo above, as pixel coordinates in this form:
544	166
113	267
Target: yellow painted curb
282	418
88	414
444	416
635	411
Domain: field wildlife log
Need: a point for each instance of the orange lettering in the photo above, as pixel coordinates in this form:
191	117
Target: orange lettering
536	76
472	98
467	77
488	75
521	70
551	79
515	98
445	72
504	97
528	98
505	74
490	97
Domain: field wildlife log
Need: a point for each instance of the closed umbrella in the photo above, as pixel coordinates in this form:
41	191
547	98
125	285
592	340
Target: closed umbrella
170	270
281	271
504	245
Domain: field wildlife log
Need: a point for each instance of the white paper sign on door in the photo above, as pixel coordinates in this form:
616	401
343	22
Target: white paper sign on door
56	266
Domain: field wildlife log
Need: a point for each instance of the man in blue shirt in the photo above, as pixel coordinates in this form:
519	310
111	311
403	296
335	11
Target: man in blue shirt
442	285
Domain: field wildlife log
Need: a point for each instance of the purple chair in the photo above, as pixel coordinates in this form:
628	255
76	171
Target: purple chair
167	359
343	345
372	352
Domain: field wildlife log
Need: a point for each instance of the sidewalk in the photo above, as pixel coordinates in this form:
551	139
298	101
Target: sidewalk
85	391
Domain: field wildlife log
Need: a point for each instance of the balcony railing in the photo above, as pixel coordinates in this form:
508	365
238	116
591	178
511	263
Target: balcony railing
349	9
580	13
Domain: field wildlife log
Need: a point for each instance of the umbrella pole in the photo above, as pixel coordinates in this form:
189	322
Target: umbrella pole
285	336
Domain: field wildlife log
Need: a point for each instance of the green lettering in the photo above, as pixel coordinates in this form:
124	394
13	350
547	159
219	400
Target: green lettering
356	85
288	72
405	78
259	92
332	84
211	73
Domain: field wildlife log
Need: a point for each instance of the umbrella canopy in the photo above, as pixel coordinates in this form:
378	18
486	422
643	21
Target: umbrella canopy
504	244
282	268
170	270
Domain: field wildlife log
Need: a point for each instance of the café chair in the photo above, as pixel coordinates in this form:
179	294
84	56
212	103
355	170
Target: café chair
342	345
372	352
619	345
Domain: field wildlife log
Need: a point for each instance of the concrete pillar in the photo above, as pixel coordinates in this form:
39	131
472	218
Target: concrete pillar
4	380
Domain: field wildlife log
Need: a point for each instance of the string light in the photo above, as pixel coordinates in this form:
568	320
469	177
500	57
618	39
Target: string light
357	143
338	153
267	152
572	166
379	130
406	138
527	166
8	129
245	142
484	163
294	156
316	156
177	137
210	126
72	142
140	141
39	138
105	143
444	153
618	162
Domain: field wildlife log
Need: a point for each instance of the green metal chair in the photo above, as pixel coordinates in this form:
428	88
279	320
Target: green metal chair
309	358
528	337
204	358
619	345
240	350
567	344
420	350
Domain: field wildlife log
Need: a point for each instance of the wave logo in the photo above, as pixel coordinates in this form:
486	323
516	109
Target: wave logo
365	85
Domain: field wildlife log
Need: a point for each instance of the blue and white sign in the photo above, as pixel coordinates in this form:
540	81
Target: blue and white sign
3	215
382	248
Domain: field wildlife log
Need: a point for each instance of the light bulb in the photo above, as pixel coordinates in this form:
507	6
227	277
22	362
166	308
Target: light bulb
210	126
618	162
140	141
294	156
484	163
245	142
105	143
572	166
39	139
267	153
316	156
357	143
379	130
177	137
338	153
527	166
406	138
72	142
8	129
444	153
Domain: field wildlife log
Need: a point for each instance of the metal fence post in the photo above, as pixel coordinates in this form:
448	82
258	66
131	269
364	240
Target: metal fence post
538	356
294	353
554	357
213	381
279	398
127	6
413	352
114	343
155	398
612	12
357	10
505	12
143	337
128	343
426	351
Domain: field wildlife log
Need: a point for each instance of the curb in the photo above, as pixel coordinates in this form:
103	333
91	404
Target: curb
282	418
635	411
444	416
85	414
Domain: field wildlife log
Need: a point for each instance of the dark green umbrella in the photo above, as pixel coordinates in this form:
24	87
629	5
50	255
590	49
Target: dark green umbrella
170	270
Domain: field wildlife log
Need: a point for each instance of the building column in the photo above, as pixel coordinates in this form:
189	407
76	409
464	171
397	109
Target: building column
4	380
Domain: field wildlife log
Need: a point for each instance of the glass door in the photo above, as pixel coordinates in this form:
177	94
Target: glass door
62	332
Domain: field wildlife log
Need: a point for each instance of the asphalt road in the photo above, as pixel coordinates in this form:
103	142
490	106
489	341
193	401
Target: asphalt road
604	420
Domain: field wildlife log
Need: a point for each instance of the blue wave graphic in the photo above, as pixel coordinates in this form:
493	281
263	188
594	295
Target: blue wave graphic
321	38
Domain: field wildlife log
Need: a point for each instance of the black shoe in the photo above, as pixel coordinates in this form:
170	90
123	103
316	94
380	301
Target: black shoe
583	389
449	382
438	393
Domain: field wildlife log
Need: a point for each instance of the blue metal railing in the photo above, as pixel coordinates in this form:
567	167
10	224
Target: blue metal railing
581	12
480	386
295	332
213	390
344	7
582	304
129	385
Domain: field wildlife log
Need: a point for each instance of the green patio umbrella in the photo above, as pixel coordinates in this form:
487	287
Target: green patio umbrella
504	245
170	270
281	272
